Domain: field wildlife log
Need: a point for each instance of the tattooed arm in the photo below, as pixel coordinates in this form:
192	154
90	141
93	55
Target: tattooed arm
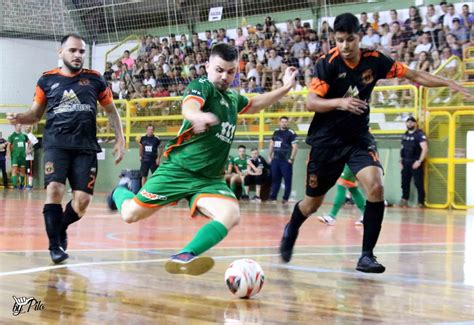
116	124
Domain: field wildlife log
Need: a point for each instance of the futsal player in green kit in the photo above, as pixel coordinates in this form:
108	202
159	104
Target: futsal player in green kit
18	146
347	181
196	160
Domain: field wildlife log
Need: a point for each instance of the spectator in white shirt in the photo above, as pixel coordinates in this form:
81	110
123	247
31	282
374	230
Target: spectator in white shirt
448	18
313	44
430	20
371	40
425	45
149	80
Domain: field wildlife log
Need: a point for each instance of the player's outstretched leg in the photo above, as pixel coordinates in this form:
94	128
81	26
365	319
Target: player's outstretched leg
301	211
124	184
290	233
226	215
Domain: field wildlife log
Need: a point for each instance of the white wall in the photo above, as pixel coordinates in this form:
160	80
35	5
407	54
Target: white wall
21	64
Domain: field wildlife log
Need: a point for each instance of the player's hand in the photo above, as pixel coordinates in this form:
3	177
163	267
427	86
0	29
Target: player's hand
13	118
289	79
353	105
119	151
203	121
458	88
416	164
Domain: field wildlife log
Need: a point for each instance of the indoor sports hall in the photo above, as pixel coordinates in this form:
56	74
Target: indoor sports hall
148	52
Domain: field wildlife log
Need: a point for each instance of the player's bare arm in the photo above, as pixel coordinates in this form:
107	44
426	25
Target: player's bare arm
428	80
265	100
32	116
116	124
315	103
200	120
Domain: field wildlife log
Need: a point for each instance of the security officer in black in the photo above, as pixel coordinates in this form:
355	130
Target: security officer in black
413	153
281	154
150	153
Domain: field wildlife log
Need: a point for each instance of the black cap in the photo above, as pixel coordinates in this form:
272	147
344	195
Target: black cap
411	118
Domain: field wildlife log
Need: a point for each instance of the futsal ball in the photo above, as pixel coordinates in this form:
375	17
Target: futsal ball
244	278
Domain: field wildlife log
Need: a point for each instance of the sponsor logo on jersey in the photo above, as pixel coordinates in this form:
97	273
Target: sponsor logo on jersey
224	103
152	196
56	85
342	75
367	77
84	82
70	103
352	92
196	92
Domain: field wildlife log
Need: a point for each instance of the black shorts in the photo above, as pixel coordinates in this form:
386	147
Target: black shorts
325	165
254	180
147	166
79	167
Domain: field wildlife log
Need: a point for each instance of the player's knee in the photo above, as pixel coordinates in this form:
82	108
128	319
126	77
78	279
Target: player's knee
375	191
81	204
54	192
230	218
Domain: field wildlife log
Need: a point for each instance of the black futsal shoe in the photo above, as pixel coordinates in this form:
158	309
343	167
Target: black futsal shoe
58	254
124	182
286	245
110	201
369	264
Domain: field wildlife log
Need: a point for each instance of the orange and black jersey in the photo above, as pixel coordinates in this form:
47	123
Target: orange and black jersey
336	78
71	108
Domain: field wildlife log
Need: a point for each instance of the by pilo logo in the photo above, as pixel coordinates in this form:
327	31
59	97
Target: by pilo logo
24	305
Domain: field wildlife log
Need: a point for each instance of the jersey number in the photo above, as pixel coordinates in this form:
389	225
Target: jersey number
227	129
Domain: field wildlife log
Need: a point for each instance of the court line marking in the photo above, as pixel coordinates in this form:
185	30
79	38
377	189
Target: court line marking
226	247
60	266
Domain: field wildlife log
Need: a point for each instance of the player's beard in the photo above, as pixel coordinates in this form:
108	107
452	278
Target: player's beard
221	86
411	128
71	67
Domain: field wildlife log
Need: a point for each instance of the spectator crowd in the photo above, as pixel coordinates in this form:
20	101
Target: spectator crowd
164	66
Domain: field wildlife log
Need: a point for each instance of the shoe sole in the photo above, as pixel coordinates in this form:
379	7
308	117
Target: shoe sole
368	270
321	219
197	266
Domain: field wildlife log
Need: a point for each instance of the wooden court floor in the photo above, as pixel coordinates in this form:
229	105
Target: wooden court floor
115	272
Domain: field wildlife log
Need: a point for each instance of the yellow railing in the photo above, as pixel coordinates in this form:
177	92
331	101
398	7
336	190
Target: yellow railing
165	114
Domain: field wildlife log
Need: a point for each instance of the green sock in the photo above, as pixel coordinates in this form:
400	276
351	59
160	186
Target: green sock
22	180
120	195
206	237
14	180
358	198
233	187
338	200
